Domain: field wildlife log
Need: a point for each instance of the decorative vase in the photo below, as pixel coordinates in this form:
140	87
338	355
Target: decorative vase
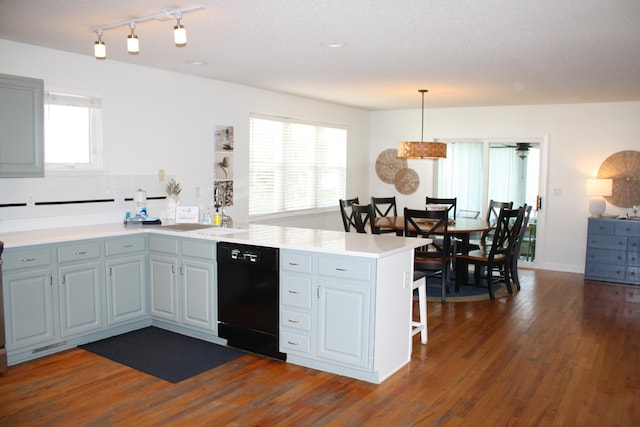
170	204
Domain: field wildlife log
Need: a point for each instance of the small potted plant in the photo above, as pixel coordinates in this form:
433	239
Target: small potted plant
173	190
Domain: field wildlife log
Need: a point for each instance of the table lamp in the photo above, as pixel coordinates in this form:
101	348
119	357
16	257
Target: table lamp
597	189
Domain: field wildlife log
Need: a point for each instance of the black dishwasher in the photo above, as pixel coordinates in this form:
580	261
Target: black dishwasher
248	297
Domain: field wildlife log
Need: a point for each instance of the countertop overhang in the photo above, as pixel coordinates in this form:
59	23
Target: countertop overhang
325	241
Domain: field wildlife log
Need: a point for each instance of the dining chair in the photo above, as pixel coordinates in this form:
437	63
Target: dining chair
363	218
515	253
493	211
433	259
494	258
452	202
347	212
385	206
420	283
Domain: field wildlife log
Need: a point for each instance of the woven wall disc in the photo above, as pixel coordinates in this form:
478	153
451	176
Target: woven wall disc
406	181
624	169
388	164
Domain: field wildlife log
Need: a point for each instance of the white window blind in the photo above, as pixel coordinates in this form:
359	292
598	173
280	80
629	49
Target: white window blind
295	165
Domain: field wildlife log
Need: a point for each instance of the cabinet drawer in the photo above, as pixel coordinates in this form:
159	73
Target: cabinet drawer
607	242
294	319
605	272
124	245
163	244
295	290
300	263
78	251
628	228
633	244
604	256
295	342
193	248
345	268
26	258
601	226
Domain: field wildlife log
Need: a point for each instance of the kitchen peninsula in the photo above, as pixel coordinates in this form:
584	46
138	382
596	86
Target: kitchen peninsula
345	298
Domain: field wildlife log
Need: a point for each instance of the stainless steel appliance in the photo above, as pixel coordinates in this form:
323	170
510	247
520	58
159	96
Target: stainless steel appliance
3	350
248	296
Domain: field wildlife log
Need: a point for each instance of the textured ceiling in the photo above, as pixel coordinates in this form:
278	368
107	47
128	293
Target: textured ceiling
466	52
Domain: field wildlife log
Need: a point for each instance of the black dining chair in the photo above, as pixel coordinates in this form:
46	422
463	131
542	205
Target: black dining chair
385	206
452	203
433	259
363	216
347	212
493	211
491	262
515	253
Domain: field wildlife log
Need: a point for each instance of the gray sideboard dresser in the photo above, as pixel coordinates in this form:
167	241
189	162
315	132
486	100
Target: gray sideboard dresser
613	250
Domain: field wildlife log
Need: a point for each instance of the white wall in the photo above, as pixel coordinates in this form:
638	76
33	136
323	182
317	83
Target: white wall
155	120
580	138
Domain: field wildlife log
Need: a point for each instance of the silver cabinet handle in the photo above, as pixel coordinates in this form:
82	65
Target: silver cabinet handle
295	264
80	252
127	245
293	291
293	342
28	259
294	321
342	269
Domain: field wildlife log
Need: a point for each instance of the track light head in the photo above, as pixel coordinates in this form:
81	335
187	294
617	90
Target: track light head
99	48
179	33
133	46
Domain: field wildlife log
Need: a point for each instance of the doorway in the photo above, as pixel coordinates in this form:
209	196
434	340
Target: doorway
477	170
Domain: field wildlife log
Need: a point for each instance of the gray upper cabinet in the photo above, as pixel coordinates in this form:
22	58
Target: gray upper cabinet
21	127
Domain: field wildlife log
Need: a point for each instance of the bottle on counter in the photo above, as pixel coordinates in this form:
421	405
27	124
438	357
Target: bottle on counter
207	218
217	217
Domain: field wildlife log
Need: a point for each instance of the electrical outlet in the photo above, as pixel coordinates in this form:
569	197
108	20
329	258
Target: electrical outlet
160	175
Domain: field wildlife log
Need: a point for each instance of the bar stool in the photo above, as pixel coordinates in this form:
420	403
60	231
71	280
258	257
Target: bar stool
420	283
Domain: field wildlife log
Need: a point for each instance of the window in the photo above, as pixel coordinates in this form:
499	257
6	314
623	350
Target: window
295	165
72	137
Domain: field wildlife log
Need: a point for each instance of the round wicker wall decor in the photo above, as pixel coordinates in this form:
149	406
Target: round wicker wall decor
624	169
388	164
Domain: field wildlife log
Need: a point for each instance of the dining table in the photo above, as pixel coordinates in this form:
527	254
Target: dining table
460	228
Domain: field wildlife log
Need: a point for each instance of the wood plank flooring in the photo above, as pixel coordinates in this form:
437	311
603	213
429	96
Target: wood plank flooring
561	352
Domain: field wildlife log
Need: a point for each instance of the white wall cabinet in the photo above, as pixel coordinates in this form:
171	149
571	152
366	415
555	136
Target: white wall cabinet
126	267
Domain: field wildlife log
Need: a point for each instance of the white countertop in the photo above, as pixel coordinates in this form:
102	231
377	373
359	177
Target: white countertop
325	241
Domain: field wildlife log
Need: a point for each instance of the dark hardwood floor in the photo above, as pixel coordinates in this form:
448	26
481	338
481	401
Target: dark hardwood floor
561	352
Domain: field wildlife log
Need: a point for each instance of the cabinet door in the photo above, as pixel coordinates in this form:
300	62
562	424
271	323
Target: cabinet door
198	294
163	287
126	289
22	124
28	298
344	323
80	298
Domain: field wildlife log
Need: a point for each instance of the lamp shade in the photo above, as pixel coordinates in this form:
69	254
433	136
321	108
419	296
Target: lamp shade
422	150
599	187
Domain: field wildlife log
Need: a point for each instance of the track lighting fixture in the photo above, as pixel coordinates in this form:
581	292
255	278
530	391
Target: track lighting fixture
99	48
133	46
179	33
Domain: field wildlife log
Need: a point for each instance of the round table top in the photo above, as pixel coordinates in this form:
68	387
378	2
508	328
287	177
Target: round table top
460	225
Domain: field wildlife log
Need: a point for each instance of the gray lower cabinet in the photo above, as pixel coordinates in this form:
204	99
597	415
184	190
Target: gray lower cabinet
28	298
80	287
126	267
182	282
326	313
613	251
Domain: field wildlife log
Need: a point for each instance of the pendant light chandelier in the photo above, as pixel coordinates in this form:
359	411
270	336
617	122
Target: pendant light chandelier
421	149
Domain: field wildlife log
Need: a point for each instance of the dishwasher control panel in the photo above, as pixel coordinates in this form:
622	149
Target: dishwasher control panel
244	255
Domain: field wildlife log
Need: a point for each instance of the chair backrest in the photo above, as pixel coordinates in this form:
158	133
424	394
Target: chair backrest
363	215
494	210
422	223
507	228
384	206
452	202
526	212
347	212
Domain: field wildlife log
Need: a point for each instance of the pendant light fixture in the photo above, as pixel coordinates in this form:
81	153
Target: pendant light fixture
179	33
133	46
99	48
422	150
